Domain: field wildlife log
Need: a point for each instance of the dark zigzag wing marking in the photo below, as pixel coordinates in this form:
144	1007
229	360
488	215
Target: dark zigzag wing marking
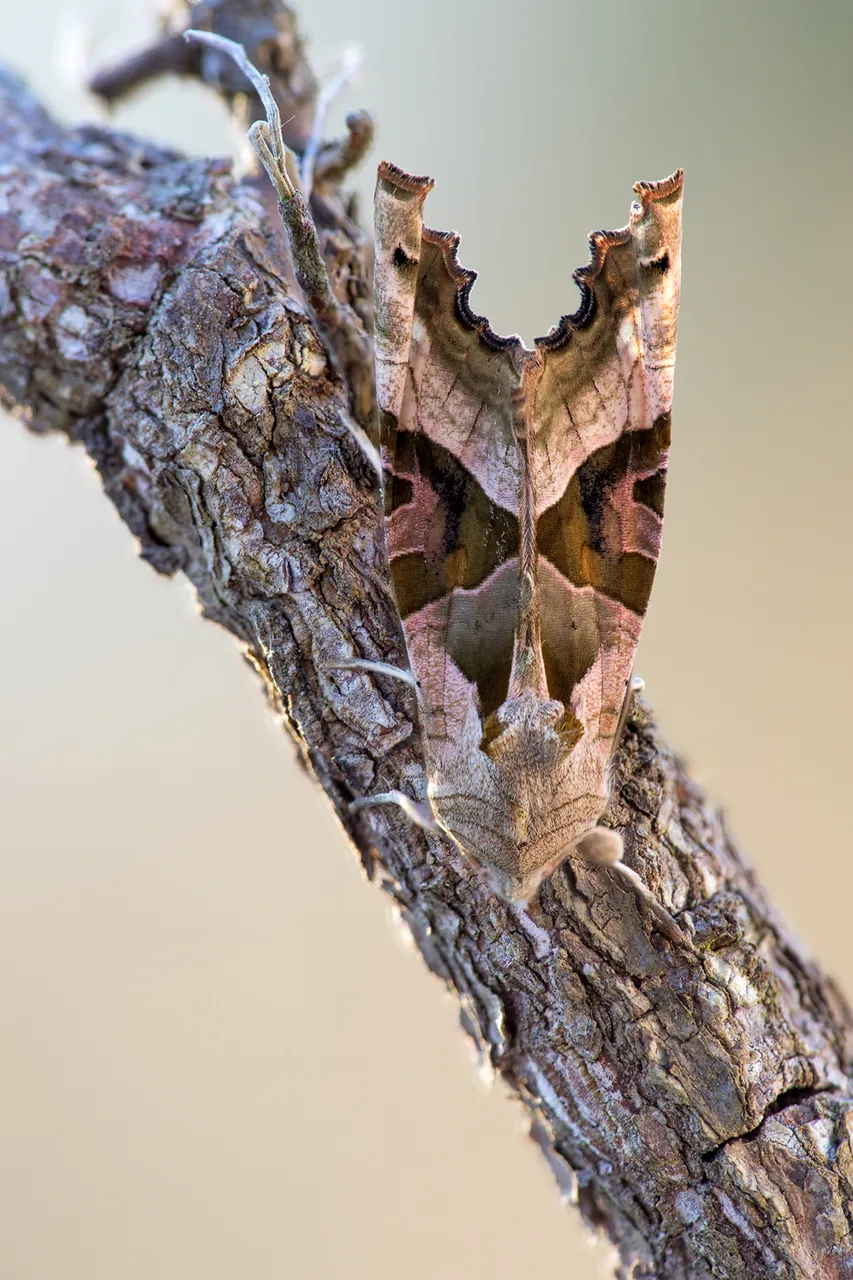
462	538
480	632
473	630
435	504
583	533
583	536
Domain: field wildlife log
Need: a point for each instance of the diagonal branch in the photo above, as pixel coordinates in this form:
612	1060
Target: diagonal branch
695	1101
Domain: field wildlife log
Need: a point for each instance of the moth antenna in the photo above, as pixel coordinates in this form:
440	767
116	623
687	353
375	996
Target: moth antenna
381	668
420	814
348	343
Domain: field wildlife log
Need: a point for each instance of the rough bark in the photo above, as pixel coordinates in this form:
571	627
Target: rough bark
696	1103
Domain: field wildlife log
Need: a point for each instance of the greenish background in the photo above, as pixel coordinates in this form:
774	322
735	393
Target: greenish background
194	1085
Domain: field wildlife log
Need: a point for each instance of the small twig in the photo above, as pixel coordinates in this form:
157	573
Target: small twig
264	135
351	60
267	31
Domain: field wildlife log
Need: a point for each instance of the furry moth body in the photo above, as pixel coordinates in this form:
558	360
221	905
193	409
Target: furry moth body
523	496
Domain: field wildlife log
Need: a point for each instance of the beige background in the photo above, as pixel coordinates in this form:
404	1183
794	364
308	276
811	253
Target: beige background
193	1086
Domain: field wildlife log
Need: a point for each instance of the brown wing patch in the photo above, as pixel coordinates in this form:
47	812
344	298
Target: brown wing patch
588	641
480	635
461	644
570	634
464	380
443	531
601	533
649	492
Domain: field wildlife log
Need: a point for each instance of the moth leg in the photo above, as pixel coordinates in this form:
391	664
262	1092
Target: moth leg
636	684
348	342
420	814
381	669
603	847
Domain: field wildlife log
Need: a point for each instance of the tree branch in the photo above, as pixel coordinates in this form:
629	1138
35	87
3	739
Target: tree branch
695	1102
269	34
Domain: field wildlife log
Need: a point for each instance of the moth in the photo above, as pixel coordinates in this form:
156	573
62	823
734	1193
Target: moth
523	493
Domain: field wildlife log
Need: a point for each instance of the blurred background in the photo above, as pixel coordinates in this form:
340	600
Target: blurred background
190	1086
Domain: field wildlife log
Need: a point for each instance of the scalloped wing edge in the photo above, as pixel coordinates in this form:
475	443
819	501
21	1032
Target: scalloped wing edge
600	242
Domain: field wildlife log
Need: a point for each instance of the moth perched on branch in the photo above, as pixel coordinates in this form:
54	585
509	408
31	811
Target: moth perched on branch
523	503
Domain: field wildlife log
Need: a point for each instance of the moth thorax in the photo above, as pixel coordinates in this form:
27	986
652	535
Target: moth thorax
530	730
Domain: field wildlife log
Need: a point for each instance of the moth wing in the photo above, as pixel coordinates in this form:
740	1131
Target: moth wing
447	389
600	447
